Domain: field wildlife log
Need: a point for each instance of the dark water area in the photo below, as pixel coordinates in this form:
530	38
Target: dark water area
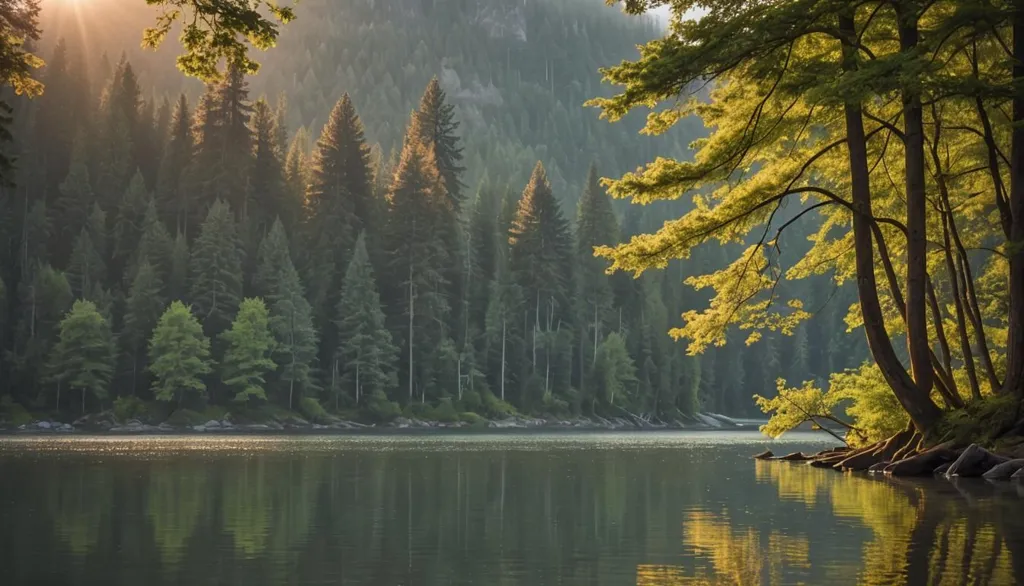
646	509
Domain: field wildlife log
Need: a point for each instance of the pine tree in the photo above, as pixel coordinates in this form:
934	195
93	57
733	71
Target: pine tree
596	225
155	246
179	354
502	328
115	153
43	298
417	260
340	201
615	374
86	268
366	359
76	198
481	256
176	204
61	112
220	168
435	125
267	197
177	281
292	324
142	310
247	357
541	247
216	281
83	358
273	260
129	221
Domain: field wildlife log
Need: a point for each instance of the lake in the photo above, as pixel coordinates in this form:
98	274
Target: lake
533	509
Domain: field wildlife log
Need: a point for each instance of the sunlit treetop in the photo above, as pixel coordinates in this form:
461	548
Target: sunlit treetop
216	31
19	25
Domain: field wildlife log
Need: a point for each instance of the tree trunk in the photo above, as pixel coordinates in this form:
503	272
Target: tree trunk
83	401
1014	381
357	382
913	119
918	404
502	358
59	381
412	314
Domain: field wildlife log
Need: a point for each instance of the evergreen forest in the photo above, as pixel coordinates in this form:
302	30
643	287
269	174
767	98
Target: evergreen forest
397	213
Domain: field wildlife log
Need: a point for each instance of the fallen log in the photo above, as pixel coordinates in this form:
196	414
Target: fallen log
794	457
765	455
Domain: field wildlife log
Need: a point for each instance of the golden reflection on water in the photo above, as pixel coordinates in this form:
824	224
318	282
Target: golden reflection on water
918	533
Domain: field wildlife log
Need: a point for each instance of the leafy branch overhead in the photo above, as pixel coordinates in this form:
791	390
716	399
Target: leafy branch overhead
218	30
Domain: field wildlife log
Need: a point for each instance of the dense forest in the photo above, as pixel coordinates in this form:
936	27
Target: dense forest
318	247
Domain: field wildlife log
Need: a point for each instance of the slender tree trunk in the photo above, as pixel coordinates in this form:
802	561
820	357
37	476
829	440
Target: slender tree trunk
83	400
913	119
918	404
536	327
357	381
1014	381
59	381
593	360
971	303
412	313
502	358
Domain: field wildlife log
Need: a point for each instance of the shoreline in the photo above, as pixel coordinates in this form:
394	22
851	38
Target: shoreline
297	426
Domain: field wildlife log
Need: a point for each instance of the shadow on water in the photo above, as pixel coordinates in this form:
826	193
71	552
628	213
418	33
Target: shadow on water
586	509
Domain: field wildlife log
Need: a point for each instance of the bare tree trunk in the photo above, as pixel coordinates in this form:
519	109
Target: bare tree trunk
918	404
502	358
536	327
1014	381
358	365
83	400
59	381
913	119
412	313
594	359
971	303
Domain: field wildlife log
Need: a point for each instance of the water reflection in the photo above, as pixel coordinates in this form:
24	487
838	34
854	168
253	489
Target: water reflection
436	511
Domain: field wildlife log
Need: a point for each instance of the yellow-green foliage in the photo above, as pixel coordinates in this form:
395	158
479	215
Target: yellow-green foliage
862	394
791	407
869	402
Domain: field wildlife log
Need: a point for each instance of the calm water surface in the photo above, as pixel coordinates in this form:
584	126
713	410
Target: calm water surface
646	509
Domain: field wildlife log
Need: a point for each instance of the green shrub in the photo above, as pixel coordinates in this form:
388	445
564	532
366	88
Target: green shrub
312	410
554	405
471	401
130	407
418	410
472	419
445	412
13	412
495	408
182	417
380	409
